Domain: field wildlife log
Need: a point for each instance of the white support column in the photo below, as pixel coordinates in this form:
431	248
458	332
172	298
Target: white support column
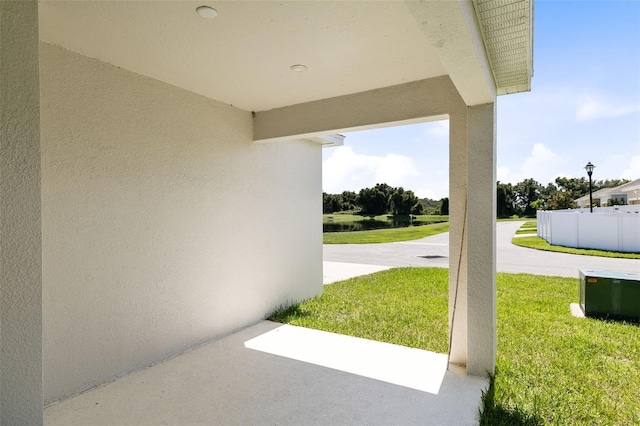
458	236
21	400
481	240
472	264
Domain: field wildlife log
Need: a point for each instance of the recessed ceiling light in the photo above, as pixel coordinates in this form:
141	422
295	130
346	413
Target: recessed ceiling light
207	12
298	68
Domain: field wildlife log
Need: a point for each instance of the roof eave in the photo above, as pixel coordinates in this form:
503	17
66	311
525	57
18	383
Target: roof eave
518	88
507	32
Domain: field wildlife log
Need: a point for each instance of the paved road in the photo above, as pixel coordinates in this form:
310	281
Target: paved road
434	251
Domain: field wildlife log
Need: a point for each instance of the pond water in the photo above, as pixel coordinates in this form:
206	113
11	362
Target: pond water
368	224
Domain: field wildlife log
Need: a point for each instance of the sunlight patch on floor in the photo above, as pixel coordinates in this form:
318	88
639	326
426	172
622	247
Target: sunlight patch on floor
412	368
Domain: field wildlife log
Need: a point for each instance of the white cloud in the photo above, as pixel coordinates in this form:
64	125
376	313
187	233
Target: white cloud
590	108
541	164
503	174
393	169
633	172
438	130
427	193
435	191
348	170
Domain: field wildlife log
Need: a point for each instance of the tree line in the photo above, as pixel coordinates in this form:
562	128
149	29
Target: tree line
524	198
381	199
521	199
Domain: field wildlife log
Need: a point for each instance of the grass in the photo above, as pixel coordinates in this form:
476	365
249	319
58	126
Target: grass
526	231
557	369
406	306
529	227
540	244
385	235
552	368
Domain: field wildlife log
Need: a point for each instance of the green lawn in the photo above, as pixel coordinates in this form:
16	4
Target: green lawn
406	306
526	231
540	244
552	368
529	227
385	235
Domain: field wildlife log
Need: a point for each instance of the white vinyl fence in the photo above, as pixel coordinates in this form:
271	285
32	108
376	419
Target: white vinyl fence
607	228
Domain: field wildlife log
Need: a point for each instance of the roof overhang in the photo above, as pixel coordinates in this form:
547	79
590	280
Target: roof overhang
244	55
507	32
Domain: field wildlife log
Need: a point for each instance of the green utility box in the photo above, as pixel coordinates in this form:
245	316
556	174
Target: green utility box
610	294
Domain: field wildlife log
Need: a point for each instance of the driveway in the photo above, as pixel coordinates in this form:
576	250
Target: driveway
434	251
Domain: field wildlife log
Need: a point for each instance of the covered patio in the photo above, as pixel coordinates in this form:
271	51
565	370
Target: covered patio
148	149
278	375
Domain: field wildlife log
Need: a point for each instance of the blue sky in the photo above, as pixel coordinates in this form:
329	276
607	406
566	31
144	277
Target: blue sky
584	106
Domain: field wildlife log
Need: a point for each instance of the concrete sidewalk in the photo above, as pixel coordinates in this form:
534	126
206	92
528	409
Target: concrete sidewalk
338	271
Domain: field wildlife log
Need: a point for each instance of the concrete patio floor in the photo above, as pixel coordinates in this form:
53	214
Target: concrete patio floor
270	374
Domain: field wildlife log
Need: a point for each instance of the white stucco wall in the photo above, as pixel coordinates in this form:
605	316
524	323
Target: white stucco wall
20	242
164	224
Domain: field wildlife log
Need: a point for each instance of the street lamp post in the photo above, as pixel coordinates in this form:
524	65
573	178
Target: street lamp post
589	168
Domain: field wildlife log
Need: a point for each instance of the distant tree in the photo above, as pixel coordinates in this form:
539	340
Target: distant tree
444	206
610	183
578	187
526	193
372	201
349	200
403	202
523	198
561	200
505	200
331	203
417	208
430	206
575	187
395	201
385	189
547	192
538	204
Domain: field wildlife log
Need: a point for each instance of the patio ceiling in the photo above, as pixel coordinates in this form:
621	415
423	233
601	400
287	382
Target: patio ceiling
243	56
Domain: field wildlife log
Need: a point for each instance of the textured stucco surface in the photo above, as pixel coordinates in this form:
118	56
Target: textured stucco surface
20	243
458	237
481	249
452	31
472	245
348	46
413	102
164	224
